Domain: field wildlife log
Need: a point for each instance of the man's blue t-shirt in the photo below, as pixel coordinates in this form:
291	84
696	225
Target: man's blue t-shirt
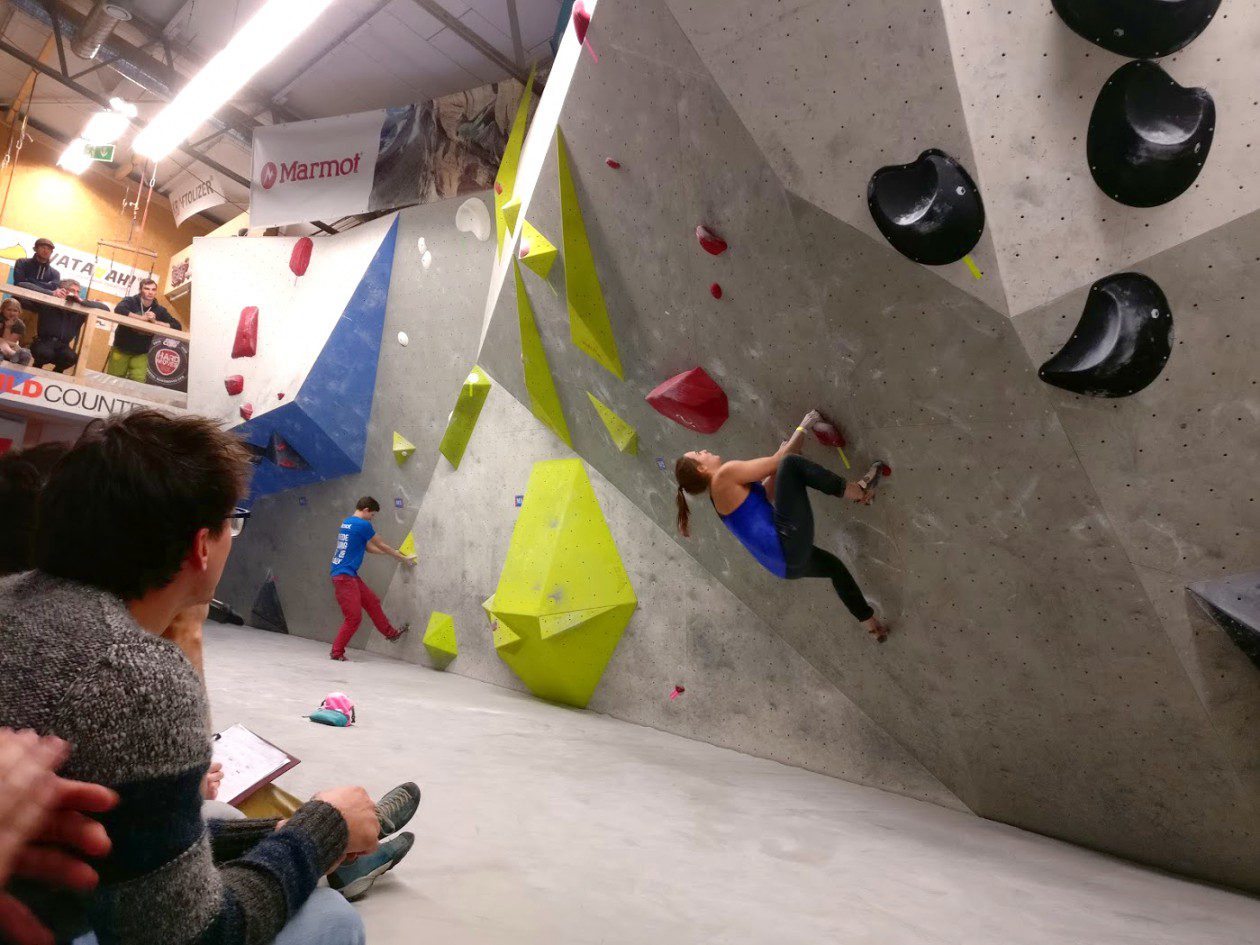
352	539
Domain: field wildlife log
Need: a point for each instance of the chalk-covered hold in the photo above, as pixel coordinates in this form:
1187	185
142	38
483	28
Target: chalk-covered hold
713	244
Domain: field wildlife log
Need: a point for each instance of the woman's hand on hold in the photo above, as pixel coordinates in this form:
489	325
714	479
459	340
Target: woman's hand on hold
862	496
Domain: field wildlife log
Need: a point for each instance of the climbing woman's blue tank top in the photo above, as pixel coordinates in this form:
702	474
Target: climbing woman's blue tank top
753	524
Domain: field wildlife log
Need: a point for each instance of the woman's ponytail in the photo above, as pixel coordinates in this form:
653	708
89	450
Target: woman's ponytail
684	515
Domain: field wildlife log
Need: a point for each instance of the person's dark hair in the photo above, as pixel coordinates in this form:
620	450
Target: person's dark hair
144	282
22	477
121	509
368	504
690	480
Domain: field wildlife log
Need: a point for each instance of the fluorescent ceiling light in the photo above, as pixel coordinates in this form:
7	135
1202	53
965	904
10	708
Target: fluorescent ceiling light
106	127
256	44
75	158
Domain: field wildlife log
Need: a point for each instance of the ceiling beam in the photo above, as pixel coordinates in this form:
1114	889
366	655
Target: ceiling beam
472	38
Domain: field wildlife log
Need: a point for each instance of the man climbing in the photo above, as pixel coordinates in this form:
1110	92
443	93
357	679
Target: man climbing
357	536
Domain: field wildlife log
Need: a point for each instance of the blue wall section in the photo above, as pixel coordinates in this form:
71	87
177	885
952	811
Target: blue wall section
326	423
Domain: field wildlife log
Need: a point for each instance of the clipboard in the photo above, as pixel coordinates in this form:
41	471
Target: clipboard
249	762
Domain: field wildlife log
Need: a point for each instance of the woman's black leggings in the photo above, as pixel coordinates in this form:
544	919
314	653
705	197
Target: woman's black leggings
794	521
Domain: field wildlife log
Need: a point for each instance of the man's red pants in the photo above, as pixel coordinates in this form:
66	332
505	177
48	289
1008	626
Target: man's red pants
353	597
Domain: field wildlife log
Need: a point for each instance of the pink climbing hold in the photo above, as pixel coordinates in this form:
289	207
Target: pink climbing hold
246	343
581	23
715	290
247	411
713	244
498	188
828	434
615	165
693	400
234	384
280	396
300	258
524	248
678	691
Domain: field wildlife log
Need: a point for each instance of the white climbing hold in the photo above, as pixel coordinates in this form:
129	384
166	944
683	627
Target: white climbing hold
403	339
960	191
421	246
426	260
473	217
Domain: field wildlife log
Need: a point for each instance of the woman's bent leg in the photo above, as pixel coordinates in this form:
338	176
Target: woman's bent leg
793	515
824	564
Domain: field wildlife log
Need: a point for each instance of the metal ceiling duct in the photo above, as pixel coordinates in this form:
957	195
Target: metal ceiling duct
100	24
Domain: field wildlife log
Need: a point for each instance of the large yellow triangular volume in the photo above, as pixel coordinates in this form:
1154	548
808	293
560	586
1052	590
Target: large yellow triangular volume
588	316
505	181
624	435
403	448
536	251
459	429
408	547
543	399
440	639
564	598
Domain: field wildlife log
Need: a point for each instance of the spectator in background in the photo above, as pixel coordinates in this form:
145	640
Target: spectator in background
12	328
58	329
130	355
36	272
22	477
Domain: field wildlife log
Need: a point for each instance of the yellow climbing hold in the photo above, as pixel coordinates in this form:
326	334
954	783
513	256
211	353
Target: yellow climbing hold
403	448
459	429
505	181
543	399
408	547
624	435
589	326
512	213
440	640
536	251
564	598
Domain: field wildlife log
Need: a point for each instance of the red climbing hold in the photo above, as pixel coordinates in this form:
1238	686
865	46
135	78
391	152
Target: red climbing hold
715	290
524	248
246	344
885	470
498	188
615	165
712	243
280	396
693	400
234	384
300	259
581	21
678	691
247	411
828	433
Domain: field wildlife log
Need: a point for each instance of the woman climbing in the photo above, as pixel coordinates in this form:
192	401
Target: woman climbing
765	505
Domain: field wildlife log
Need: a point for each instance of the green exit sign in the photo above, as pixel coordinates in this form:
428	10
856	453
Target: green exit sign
100	152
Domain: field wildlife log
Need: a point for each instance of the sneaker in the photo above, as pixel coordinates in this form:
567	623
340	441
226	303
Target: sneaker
355	879
340	659
397	807
401	630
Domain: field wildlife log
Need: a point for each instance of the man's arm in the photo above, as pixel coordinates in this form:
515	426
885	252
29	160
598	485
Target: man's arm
22	272
159	884
377	547
167	318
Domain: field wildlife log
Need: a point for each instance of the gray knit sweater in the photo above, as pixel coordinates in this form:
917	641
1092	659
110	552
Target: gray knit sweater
73	663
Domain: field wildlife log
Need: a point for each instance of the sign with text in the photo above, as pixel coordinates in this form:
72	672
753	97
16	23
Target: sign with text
61	394
112	278
191	194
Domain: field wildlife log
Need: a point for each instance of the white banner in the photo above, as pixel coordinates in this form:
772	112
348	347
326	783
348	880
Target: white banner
60	394
312	170
191	194
111	278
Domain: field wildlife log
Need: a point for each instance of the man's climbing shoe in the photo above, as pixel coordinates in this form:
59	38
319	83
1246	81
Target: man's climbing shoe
397	807
340	659
401	630
354	879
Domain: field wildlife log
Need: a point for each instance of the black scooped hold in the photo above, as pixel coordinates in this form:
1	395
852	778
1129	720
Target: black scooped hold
1138	29
1148	136
1121	343
930	210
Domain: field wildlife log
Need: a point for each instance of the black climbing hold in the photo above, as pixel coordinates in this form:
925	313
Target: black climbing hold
223	613
1138	29
930	210
267	614
1121	343
1234	604
1148	136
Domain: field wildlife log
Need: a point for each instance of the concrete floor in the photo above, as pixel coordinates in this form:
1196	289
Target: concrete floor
544	824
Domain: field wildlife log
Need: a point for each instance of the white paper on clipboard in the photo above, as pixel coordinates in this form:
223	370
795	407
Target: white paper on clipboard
248	762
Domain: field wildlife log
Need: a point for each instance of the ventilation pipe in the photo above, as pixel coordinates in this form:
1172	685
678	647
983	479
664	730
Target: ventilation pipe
100	24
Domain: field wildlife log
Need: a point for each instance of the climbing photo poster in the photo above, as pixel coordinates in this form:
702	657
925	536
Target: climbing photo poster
328	168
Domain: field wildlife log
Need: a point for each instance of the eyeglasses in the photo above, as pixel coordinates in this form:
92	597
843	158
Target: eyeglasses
236	521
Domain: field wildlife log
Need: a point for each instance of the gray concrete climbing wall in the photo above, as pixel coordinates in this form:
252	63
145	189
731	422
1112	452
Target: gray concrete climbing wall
1036	671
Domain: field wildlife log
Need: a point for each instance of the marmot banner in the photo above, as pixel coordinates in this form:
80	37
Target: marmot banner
334	167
